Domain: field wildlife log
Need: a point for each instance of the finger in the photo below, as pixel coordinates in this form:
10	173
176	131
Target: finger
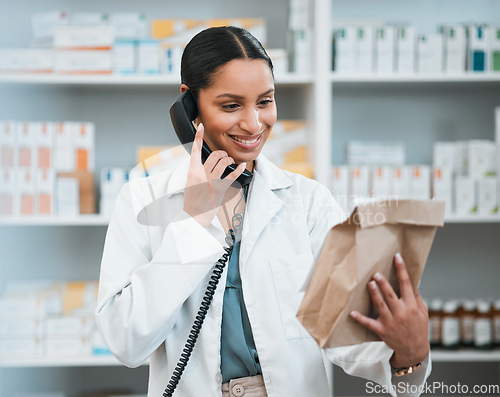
405	287
197	145
388	293
378	301
213	159
420	301
232	176
367	322
221	166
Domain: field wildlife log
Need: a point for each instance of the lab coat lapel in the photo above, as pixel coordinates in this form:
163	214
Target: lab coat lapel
263	204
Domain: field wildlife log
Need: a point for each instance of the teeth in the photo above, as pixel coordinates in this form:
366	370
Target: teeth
244	141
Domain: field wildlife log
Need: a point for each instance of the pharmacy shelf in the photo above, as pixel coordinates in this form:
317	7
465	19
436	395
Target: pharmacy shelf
100	220
91	361
472	219
465	356
124	80
467	77
81	220
109	361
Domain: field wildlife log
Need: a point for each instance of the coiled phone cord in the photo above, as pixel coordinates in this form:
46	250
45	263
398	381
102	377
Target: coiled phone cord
231	236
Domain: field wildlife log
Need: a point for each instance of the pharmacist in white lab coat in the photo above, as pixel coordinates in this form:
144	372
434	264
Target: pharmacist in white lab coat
168	230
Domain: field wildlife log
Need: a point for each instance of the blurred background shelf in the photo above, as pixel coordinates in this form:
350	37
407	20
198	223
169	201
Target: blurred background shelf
118	80
82	220
468	77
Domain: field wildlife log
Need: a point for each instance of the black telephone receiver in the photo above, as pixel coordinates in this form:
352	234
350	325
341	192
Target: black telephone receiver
183	112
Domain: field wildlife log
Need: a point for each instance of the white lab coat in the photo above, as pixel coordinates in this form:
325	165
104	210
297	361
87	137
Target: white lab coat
156	264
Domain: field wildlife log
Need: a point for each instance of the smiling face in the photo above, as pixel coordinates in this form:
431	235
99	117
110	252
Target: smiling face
238	109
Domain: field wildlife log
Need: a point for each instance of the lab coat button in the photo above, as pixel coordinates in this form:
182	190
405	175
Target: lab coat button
218	378
238	390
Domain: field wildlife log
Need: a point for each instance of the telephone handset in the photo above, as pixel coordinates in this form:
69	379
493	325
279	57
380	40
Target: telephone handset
183	112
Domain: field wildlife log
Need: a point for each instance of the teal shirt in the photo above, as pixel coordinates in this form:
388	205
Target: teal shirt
239	356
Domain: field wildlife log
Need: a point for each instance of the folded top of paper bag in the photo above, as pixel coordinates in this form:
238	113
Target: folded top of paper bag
411	212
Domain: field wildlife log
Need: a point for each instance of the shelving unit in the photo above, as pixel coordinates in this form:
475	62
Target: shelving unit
124	80
332	105
110	361
99	220
467	77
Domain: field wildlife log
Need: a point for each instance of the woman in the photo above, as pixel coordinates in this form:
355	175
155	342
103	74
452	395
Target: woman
154	274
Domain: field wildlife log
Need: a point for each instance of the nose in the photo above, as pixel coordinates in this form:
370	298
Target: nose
250	121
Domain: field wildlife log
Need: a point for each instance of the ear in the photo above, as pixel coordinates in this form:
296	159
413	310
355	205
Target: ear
184	87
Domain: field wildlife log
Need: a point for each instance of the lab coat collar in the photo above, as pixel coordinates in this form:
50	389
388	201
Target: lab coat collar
263	204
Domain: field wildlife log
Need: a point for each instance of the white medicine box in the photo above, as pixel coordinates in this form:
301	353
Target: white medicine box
430	53
455	48
406	49
365	49
360	182
8	143
478	53
442	187
385	50
25	145
7	191
44	191
345	49
340	185
481	158
420	182
44	145
381	182
487	199
465	195
400	182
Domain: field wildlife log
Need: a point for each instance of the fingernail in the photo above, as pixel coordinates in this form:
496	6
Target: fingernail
398	258
377	276
353	314
244	165
372	285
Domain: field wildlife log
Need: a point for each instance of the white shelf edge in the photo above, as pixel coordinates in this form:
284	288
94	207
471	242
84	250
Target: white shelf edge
468	77
472	219
123	80
465	355
37	362
100	220
82	220
109	361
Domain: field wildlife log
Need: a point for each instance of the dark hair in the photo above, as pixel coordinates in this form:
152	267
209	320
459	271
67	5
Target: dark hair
214	47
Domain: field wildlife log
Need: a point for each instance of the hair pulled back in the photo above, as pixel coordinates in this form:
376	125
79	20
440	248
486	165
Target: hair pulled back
214	47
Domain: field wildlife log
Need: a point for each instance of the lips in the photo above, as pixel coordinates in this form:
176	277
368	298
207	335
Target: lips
247	142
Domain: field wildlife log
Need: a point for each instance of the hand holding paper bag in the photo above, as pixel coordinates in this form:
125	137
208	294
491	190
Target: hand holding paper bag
352	254
402	322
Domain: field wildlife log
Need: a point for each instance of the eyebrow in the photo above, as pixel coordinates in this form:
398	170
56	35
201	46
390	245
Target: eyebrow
234	96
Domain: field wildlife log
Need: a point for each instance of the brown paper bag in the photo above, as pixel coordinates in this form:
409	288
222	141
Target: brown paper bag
353	251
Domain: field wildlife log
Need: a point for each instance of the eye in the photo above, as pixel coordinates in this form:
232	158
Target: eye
231	106
265	102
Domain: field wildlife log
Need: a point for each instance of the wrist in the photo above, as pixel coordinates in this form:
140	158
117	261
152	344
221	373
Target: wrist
398	361
405	370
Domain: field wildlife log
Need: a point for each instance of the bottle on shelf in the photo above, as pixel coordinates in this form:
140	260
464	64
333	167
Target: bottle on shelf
450	325
435	316
483	327
496	322
467	315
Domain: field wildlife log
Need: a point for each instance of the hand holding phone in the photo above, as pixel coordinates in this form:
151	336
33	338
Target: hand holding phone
205	190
